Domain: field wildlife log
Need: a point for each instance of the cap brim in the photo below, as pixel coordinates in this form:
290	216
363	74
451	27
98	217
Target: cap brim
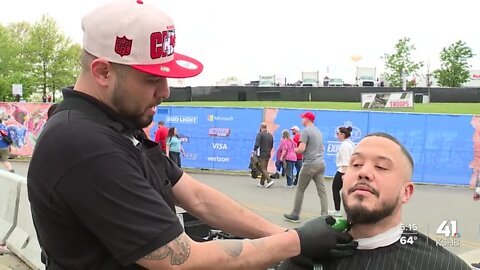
181	66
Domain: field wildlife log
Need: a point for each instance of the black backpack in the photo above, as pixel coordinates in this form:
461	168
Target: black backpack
253	166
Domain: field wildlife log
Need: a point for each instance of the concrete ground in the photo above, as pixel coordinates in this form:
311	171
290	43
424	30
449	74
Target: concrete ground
427	209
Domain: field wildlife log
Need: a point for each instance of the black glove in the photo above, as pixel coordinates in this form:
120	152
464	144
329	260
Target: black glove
319	241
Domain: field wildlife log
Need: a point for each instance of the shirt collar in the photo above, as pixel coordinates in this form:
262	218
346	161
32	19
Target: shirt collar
381	240
102	107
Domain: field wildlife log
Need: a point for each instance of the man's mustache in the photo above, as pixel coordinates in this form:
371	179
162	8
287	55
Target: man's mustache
364	186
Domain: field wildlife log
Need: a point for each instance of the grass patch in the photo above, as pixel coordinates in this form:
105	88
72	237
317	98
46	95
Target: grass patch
446	108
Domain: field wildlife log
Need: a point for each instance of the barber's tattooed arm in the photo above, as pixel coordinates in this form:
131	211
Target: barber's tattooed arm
178	250
184	253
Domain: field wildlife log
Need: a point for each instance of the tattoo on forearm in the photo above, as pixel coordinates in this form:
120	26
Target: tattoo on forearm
232	247
178	250
159	254
181	249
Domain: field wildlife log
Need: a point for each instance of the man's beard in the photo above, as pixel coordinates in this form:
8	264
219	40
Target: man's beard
120	101
358	214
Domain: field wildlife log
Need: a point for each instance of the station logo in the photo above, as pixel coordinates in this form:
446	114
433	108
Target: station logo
450	236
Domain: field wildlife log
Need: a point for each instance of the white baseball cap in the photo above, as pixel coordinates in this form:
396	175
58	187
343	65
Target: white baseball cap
139	35
295	128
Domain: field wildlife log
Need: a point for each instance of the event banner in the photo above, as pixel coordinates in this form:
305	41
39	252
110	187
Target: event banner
213	138
441	145
445	148
387	100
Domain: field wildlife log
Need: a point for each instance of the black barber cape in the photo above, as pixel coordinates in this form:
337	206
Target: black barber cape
422	254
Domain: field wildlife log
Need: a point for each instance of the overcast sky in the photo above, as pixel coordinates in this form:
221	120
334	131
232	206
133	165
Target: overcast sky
249	38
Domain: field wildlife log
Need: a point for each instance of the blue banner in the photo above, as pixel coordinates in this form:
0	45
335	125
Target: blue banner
449	149
441	145
222	138
213	138
409	129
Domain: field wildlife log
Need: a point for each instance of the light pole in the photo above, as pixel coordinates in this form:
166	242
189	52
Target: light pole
356	58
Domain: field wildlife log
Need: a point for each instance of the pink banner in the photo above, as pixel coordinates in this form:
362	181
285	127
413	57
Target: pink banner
25	122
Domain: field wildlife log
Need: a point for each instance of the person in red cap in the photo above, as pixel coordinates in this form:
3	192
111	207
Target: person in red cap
313	168
103	195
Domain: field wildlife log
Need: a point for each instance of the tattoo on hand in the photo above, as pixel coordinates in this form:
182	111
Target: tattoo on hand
232	247
178	250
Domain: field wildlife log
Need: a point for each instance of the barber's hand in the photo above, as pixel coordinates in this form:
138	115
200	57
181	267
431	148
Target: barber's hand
319	241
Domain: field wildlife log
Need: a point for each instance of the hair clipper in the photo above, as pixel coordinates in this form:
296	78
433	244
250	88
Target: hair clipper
339	224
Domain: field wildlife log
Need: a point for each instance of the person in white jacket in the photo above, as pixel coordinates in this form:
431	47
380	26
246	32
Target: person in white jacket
342	159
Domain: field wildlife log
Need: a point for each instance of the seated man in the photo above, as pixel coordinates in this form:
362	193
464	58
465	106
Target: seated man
375	186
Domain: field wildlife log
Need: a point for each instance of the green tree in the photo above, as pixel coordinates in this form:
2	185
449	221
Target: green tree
12	58
454	69
400	62
53	59
5	60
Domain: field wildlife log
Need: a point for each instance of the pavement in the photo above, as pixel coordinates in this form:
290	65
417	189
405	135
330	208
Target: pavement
429	206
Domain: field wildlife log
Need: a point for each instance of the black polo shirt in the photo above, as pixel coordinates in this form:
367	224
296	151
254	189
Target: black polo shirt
99	201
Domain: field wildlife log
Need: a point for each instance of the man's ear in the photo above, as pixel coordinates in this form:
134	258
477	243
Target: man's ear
101	71
408	189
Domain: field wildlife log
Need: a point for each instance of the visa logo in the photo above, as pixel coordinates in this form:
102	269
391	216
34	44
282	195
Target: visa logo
220	146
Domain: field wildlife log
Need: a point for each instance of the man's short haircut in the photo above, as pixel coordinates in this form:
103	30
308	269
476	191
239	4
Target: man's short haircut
263	125
393	139
87	58
161	122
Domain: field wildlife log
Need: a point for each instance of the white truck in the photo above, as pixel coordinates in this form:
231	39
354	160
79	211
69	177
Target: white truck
366	76
335	82
310	78
267	81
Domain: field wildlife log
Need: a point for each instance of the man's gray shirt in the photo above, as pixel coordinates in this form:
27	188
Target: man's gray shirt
313	139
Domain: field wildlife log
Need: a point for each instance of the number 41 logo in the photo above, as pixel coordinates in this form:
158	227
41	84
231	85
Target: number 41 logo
448	230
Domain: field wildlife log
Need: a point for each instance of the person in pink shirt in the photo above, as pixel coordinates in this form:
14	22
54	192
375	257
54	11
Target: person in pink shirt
288	156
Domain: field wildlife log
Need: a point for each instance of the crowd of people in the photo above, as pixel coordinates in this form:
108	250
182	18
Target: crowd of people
304	153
